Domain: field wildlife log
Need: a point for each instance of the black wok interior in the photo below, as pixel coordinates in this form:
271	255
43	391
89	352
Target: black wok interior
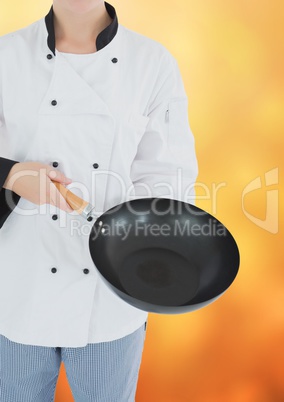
183	267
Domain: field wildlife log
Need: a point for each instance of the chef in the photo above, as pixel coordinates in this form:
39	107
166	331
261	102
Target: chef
102	110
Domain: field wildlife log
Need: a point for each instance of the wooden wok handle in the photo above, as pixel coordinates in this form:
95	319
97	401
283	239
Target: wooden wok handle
79	205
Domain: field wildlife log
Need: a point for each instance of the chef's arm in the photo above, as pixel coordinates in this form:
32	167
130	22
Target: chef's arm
5	167
165	164
27	180
33	181
5	194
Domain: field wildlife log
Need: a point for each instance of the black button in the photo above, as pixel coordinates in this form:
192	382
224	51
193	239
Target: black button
55	164
54	102
90	219
86	271
95	165
53	270
54	217
49	56
114	60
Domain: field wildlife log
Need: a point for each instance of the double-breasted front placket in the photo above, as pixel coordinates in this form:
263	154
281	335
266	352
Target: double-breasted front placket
109	136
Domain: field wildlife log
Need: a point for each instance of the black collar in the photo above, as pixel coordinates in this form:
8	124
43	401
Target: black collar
103	39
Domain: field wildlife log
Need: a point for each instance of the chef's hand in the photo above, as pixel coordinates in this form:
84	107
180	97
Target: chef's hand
32	181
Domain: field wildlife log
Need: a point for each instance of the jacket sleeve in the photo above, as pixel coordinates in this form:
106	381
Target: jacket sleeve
165	164
8	199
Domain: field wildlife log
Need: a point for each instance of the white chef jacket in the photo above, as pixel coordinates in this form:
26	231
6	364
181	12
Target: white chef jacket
124	135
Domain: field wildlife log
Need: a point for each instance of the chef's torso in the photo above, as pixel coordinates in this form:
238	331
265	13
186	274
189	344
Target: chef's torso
87	120
50	291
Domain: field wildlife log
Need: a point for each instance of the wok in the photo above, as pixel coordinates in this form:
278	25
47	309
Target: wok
160	255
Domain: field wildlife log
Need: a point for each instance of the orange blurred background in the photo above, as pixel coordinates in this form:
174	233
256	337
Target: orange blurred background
231	56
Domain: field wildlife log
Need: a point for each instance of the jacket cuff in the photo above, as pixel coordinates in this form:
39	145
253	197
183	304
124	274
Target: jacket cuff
5	167
5	209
